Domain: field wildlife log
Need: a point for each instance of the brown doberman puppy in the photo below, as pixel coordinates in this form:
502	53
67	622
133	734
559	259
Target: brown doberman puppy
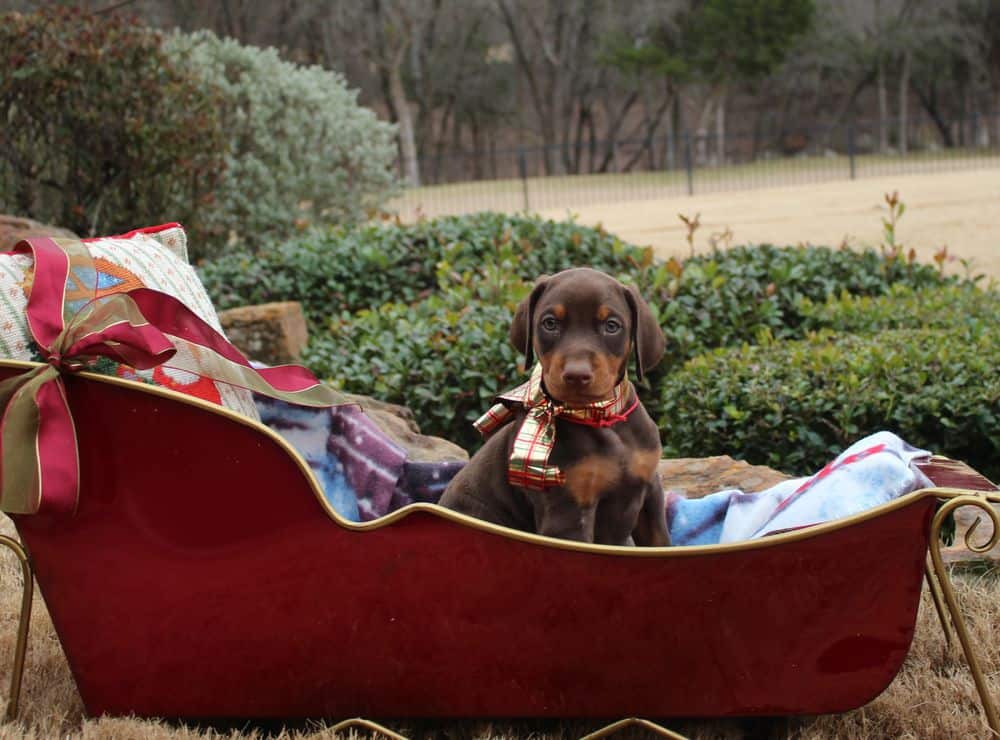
574	454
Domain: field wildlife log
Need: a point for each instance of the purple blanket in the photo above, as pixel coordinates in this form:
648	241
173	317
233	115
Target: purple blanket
364	473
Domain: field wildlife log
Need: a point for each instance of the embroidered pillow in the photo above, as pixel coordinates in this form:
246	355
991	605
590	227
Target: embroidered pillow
154	258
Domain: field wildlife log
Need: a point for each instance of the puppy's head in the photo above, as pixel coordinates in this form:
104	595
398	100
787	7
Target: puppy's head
584	325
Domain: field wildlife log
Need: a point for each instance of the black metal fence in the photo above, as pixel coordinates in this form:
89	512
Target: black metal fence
594	172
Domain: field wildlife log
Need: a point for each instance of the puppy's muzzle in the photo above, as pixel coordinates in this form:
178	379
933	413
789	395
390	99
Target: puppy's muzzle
578	373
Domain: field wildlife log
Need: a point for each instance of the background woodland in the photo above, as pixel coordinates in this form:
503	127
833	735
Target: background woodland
588	86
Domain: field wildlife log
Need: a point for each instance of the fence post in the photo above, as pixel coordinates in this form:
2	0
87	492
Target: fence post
688	164
522	167
850	149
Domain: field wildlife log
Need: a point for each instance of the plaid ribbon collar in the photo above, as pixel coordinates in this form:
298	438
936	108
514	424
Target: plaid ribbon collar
529	460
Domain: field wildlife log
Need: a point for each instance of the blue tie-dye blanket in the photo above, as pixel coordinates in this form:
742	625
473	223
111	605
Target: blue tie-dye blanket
366	475
870	472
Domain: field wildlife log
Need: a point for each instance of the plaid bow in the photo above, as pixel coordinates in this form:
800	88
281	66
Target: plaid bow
529	459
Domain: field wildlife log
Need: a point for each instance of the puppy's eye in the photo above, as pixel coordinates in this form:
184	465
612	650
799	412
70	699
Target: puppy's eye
612	326
550	324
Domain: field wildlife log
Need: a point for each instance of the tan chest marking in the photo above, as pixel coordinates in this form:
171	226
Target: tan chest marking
590	477
643	464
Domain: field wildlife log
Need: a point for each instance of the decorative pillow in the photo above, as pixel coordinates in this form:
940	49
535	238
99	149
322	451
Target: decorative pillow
156	258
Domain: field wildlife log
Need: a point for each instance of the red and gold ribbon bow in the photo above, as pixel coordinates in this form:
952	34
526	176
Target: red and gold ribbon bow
143	328
529	465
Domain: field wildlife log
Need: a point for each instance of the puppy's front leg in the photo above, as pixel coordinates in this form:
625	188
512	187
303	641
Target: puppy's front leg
558	515
481	490
651	526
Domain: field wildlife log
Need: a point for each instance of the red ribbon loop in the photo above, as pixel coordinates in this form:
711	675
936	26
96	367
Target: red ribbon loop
142	328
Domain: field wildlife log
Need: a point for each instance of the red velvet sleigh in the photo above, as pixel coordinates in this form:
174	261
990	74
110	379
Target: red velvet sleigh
204	575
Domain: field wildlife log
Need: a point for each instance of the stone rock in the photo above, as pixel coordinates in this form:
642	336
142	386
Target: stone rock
694	477
272	333
401	426
373	406
13	229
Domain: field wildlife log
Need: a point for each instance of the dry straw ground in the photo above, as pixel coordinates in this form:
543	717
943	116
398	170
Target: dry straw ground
960	210
955	204
932	697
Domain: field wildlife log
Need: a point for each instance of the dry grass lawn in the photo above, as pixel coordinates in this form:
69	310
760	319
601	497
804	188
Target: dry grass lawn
932	697
958	209
954	203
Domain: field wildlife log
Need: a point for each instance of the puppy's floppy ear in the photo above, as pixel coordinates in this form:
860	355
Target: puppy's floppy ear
647	336
521	334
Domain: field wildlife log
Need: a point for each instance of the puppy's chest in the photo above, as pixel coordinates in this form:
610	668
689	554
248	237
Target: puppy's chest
601	462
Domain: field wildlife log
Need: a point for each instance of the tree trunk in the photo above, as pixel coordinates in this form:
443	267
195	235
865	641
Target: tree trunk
541	106
591	145
456	164
720	127
965	138
477	148
446	122
996	118
407	142
581	122
929	102
614	130
883	108
848	104
904	89
651	122
701	131
676	127
883	102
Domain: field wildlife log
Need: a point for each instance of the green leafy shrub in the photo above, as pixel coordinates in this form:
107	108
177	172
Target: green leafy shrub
420	313
904	307
446	289
101	131
300	149
751	294
357	267
793	405
445	357
707	301
747	292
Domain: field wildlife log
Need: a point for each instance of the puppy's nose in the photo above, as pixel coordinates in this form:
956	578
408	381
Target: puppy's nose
577	372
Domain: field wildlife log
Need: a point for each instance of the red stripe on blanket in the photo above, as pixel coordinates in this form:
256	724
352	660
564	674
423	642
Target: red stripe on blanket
825	473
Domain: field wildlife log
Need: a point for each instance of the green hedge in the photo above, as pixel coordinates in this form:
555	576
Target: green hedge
749	292
705	302
793	405
419	314
445	357
359	267
904	307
